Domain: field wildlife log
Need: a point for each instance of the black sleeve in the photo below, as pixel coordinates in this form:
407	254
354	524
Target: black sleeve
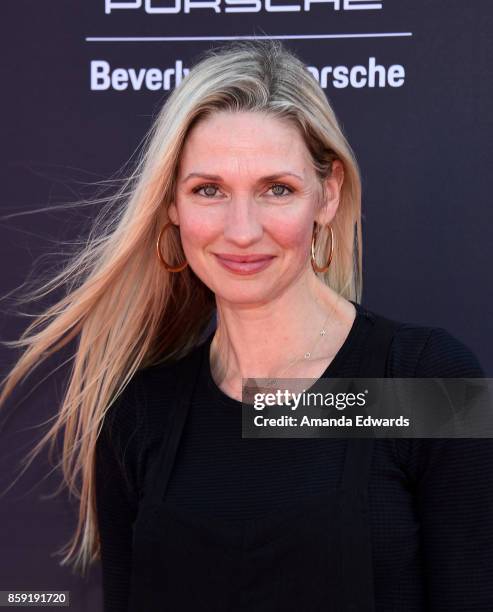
454	494
117	452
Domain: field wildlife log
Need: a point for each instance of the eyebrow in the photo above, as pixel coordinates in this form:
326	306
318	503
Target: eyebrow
216	177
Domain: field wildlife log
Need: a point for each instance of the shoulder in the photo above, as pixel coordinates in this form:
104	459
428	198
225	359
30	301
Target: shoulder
136	421
160	381
436	353
145	397
146	403
424	351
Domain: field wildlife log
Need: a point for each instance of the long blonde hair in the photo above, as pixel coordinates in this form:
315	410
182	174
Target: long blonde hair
120	307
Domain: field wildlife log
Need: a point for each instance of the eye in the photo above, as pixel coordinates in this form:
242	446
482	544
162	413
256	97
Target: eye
276	186
205	186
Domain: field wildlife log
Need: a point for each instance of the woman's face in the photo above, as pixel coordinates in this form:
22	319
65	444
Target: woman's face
246	190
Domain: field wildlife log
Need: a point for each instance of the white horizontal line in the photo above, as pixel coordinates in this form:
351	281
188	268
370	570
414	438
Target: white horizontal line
253	37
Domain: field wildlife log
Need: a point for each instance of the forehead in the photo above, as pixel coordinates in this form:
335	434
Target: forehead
244	140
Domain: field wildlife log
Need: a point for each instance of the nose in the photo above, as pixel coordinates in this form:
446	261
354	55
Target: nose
242	225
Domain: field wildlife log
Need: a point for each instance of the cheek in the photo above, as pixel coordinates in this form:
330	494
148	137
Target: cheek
293	234
195	238
196	234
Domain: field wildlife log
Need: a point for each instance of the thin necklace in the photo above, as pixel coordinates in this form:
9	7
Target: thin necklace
306	357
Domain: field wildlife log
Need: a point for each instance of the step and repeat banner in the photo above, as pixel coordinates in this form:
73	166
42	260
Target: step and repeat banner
410	81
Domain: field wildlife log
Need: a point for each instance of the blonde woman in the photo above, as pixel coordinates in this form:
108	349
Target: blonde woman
234	251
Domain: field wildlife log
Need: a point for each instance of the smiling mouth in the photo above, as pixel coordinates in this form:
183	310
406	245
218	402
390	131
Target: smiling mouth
244	264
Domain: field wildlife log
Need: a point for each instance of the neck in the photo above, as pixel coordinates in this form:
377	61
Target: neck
258	342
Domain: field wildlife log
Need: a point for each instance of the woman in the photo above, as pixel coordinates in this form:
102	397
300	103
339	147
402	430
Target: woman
246	205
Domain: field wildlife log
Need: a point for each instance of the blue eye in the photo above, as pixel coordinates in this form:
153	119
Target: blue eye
206	186
213	186
283	187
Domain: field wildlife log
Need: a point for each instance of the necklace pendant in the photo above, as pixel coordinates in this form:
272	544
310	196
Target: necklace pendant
323	332
307	355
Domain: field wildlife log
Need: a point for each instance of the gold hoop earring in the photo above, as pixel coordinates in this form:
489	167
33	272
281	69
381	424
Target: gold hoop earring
315	266
160	255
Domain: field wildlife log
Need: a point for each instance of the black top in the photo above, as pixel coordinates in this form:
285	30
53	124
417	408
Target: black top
438	488
313	556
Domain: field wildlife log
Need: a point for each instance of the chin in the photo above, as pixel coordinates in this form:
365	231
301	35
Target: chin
244	295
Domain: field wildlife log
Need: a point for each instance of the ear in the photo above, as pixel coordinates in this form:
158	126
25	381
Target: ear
173	214
333	185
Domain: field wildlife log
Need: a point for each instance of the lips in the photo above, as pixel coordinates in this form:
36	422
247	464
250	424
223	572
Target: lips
243	258
244	264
